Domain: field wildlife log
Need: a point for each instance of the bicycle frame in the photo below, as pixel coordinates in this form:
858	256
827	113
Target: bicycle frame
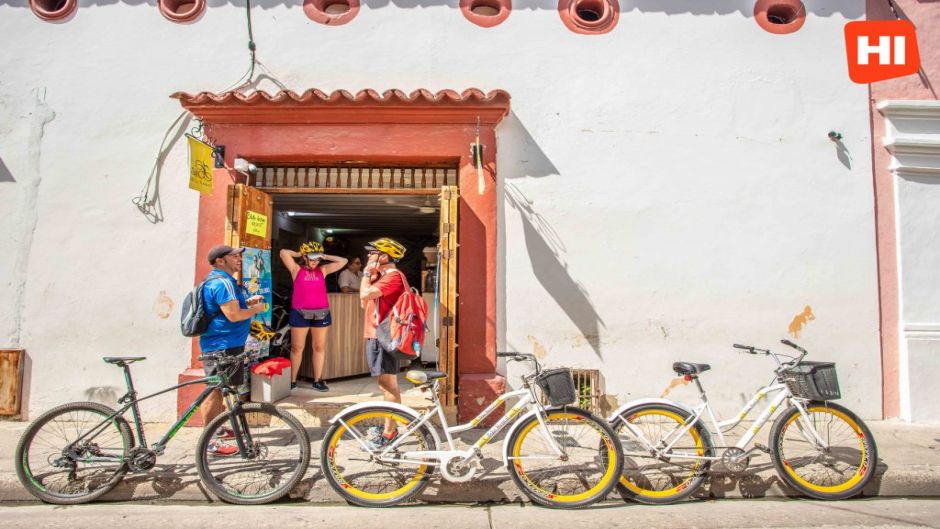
527	399
212	382
719	426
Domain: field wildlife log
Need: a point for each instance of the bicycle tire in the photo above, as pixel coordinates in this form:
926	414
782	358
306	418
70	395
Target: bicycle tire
593	436
340	450
40	485
861	449
646	482
279	471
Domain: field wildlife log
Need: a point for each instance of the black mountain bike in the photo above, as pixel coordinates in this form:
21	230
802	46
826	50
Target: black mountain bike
78	452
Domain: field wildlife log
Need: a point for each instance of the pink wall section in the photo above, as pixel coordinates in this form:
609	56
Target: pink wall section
925	14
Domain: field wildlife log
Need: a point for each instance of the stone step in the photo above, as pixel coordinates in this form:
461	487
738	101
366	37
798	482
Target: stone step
315	409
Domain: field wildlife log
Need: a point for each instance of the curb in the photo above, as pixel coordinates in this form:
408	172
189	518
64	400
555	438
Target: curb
180	483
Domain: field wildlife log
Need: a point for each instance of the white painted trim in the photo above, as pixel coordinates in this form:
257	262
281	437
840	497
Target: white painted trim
910	108
922	331
912	136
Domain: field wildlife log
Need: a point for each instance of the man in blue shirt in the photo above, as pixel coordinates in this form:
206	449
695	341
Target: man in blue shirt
231	321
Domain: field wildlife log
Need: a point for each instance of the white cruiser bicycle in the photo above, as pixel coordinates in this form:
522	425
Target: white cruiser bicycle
560	456
819	448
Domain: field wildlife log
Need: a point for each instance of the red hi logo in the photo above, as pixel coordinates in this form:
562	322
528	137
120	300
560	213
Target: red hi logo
881	50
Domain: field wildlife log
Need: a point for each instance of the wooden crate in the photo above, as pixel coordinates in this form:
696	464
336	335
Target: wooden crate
11	380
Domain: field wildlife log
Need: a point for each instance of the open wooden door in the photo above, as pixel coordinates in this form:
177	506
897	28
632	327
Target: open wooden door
248	223
249	217
448	293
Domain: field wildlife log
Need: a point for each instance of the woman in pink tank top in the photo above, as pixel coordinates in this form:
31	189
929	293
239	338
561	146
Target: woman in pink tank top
310	306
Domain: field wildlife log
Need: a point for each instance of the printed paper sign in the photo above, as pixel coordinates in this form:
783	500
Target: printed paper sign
256	224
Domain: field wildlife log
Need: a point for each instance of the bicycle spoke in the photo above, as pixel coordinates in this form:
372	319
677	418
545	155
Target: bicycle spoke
822	468
275	457
579	473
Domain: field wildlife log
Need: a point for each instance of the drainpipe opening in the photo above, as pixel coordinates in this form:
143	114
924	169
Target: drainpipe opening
337	8
485	8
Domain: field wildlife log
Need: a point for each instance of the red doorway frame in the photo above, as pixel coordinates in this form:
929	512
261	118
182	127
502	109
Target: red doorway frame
372	128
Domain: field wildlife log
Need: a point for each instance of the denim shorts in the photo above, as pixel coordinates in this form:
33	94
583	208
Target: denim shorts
380	361
296	319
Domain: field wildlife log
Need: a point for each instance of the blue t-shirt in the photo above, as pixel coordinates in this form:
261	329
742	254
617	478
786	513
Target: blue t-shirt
222	333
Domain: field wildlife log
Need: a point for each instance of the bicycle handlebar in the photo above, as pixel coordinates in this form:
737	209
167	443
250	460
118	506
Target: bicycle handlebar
224	360
521	357
750	349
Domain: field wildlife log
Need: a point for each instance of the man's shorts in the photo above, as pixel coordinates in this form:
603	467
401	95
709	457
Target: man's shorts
296	319
380	361
236	378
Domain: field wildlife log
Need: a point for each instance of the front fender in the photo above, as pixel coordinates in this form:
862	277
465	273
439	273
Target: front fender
641	402
389	406
375	404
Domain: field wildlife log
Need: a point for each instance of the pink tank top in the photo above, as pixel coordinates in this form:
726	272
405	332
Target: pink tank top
309	290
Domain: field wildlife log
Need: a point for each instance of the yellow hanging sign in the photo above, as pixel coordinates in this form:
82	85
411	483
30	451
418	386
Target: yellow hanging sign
200	166
256	224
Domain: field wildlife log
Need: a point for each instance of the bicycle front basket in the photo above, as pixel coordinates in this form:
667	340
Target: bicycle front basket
813	381
558	386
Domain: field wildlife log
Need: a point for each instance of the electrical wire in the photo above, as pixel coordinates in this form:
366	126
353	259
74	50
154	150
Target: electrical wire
893	10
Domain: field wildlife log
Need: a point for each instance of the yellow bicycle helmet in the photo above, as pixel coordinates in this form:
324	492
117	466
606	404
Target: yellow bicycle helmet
392	248
311	247
261	331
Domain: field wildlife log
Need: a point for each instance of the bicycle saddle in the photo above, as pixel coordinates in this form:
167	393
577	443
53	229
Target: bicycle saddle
420	377
688	368
123	360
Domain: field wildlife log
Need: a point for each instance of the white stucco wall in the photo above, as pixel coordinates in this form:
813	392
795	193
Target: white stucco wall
684	194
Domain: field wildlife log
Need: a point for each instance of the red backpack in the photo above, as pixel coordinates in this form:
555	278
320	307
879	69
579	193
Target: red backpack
402	330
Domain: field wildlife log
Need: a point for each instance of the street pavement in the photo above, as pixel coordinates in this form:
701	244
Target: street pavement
908	466
860	513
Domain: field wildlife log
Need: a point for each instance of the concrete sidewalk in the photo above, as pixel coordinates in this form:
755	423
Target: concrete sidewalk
909	465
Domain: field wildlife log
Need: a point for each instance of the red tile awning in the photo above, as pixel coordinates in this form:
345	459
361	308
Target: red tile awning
366	106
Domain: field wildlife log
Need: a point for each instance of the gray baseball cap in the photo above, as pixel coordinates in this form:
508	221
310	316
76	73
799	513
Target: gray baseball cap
221	251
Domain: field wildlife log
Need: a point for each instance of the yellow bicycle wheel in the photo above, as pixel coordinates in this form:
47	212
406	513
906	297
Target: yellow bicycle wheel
360	472
838	468
673	477
584	472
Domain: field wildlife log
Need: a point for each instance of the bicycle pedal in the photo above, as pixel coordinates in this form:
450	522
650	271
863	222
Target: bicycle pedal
762	448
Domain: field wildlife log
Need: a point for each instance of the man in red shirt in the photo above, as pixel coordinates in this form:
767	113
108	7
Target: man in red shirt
382	284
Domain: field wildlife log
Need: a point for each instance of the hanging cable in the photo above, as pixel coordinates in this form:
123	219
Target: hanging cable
893	10
251	42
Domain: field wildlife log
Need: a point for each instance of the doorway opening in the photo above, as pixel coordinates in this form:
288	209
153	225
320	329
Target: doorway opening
344	224
344	208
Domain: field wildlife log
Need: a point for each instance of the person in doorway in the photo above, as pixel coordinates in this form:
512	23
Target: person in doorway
349	278
310	306
379	289
228	330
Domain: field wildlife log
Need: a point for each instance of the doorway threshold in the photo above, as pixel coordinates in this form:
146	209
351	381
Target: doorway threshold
315	408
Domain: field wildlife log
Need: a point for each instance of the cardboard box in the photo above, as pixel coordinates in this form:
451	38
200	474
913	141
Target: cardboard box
273	389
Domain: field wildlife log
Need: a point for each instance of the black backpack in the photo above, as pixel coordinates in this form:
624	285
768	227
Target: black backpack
194	320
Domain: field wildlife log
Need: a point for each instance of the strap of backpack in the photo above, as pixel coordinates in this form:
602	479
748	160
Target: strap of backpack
202	286
404	281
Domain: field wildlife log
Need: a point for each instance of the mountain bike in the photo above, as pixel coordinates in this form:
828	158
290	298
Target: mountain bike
818	448
559	456
78	452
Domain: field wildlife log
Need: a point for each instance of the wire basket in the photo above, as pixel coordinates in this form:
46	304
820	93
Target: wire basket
558	386
813	381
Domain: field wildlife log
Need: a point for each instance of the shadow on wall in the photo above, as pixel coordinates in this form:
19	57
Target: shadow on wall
5	174
851	9
545	248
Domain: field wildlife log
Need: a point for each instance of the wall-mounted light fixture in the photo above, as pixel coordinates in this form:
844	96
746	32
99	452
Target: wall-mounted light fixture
244	166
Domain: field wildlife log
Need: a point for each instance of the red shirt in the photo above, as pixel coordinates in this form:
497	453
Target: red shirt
391	285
